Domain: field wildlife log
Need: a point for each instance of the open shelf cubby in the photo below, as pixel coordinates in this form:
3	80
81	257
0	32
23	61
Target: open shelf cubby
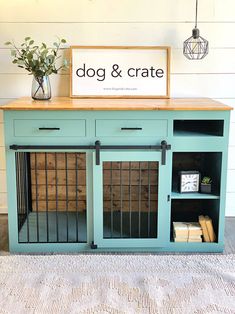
189	210
207	163
198	128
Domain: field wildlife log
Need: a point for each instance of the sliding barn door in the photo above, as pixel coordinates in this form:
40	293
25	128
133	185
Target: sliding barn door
130	199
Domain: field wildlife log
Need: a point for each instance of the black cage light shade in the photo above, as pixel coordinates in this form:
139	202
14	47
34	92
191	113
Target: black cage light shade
196	47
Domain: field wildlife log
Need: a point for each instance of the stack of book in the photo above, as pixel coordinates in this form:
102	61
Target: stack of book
207	228
187	232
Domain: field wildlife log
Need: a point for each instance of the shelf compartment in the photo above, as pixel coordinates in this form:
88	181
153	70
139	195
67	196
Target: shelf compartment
198	128
188	210
207	163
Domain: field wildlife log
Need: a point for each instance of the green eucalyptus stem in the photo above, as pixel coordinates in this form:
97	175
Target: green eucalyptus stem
40	83
39	60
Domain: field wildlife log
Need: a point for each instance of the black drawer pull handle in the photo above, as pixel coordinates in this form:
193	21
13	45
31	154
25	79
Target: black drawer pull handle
51	129
131	129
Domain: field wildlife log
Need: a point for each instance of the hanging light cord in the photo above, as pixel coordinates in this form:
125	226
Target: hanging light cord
196	14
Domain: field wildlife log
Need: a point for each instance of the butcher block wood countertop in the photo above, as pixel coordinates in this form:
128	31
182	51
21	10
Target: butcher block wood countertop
66	103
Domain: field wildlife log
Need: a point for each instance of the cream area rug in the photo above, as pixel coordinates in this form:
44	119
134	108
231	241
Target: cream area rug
117	284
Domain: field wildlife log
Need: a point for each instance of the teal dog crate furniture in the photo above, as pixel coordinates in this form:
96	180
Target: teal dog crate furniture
103	174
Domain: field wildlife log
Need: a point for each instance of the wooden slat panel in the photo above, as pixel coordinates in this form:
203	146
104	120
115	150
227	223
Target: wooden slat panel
61	177
116	193
134	206
105	11
51	192
165	34
61	206
134	177
61	164
48	192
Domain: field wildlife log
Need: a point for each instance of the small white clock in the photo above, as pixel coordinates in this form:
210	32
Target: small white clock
189	181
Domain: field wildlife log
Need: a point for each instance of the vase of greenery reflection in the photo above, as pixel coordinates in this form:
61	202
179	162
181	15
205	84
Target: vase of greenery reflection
41	88
40	61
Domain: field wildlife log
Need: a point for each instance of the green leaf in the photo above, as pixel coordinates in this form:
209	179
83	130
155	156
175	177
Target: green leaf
20	62
31	42
56	44
13	53
27	38
63	41
7	43
30	56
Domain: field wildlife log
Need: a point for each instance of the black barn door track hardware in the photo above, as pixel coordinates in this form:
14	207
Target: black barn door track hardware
98	147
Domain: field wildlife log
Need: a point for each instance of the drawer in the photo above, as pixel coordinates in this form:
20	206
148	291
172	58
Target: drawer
50	128
129	128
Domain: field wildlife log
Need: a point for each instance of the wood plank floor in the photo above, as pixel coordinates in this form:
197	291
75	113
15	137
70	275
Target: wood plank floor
229	235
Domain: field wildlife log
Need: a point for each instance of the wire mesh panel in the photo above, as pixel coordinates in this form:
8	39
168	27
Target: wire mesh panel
51	197
130	199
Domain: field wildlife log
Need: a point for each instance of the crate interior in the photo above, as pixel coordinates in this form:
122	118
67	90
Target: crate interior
51	197
130	199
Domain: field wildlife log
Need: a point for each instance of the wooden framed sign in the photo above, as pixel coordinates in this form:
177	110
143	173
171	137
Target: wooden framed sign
119	72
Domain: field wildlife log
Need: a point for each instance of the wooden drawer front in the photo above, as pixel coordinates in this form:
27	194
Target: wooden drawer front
129	128
49	128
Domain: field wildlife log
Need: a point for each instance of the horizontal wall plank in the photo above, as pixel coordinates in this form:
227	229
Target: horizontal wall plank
231	158
171	34
206	85
1	134
230	205
3	185
224	10
232	135
230	181
182	85
3	203
17	85
2	159
217	61
105	11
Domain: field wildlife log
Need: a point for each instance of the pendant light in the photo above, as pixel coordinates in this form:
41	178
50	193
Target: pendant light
196	47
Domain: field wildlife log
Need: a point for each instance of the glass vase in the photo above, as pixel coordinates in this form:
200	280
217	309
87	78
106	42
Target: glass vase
41	88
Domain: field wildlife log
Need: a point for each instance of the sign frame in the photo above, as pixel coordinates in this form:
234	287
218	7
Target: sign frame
116	49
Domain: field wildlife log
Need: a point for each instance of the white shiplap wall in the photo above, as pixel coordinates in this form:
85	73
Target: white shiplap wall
126	22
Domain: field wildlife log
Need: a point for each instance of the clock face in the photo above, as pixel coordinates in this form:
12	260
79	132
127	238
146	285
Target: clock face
189	182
